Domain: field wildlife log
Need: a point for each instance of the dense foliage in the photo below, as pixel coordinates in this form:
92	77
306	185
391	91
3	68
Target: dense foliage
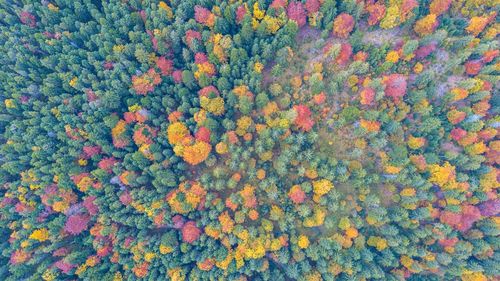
249	140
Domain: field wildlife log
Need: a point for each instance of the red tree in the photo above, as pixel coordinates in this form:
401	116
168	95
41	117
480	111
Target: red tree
203	134
312	6
76	224
395	86
343	25
295	11
344	54
190	232
376	11
201	14
438	7
303	119
240	13
165	66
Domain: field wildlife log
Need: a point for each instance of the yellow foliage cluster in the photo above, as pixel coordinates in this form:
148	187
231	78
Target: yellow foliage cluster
321	187
416	143
378	242
406	261
442	175
391	17
489	181
40	235
243	124
220	45
351	233
273	24
258	66
163	6
204	68
426	25
370	126
303	242
119	128
73	81
392	56
213	105
9	103
257	12
176	274
165	249
316	219
256	251
221	148
477	24
226	222
473	276
418	67
476	148
408	192
192	197
176	132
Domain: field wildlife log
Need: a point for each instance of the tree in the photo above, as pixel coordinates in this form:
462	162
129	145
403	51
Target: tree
343	25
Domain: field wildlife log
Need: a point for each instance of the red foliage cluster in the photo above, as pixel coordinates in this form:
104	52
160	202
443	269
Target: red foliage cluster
206	91
297	13
376	11
90	151
344	54
241	11
89	204
296	194
76	224
278	4
144	134
473	67
312	6
190	232
395	86
64	266
407	6
191	35
201	14
166	66
303	119
27	18
461	221
107	164
125	198
343	25
203	134
439	7
489	56
146	83
367	96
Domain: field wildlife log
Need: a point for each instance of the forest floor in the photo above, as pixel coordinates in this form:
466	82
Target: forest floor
333	142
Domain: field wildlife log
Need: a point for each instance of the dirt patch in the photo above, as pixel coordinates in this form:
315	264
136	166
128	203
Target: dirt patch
306	34
381	36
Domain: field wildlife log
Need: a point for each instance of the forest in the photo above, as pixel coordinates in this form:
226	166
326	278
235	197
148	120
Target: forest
249	140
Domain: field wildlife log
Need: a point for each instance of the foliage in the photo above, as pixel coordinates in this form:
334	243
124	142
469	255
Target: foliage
249	140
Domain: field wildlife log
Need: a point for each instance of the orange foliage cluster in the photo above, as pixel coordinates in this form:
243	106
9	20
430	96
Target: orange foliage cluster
477	24
343	25
193	196
426	25
438	7
303	119
376	11
146	83
196	153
